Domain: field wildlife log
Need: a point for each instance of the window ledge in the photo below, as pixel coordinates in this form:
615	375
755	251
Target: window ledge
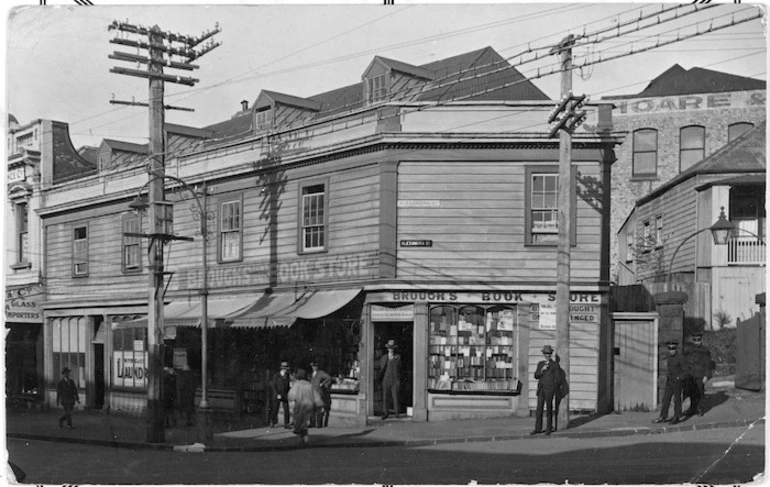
21	265
651	177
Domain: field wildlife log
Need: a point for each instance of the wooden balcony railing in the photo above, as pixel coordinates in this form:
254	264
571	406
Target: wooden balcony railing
745	249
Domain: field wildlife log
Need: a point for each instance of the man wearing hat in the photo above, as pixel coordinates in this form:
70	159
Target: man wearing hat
67	396
699	360
280	386
677	371
390	376
322	383
549	377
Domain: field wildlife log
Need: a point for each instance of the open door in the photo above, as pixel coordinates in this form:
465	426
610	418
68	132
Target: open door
401	333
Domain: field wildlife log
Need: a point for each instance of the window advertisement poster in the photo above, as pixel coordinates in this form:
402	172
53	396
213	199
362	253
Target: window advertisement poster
543	313
129	369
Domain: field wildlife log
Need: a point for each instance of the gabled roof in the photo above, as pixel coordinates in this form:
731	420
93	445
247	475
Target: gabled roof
745	154
126	146
477	82
679	81
290	100
403	67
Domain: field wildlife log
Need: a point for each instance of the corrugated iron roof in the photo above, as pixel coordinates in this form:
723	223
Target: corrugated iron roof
406	68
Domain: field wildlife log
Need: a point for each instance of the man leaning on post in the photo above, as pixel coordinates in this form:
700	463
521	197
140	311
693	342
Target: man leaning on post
677	372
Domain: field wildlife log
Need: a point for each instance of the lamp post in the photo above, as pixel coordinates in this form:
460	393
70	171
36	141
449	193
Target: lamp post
720	231
140	204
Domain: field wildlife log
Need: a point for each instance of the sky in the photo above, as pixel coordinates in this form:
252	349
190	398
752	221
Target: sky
57	67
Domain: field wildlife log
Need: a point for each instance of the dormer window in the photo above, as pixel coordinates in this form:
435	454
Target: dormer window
377	88
264	119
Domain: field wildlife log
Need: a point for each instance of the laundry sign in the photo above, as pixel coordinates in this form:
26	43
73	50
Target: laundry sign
129	369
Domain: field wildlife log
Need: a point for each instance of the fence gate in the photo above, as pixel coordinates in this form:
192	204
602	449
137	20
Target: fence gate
750	364
636	361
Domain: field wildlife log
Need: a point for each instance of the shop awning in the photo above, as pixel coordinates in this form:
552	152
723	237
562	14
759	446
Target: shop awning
249	311
188	312
284	308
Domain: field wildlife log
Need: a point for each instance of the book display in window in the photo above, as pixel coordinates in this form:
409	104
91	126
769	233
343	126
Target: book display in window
472	349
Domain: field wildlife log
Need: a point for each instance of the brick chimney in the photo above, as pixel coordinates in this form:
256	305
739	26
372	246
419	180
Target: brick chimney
244	105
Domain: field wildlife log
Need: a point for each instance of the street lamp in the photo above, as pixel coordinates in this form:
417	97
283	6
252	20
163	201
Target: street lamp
140	204
720	231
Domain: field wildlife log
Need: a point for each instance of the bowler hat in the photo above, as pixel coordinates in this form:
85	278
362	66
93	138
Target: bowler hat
65	370
547	349
284	365
672	343
391	344
697	334
314	362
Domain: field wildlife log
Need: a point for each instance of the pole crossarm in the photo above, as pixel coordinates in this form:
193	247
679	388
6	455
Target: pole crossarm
164	77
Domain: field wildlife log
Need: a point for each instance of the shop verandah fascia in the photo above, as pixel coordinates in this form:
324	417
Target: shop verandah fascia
249	335
472	353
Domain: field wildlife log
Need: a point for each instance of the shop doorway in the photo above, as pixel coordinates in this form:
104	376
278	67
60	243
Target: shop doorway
98	376
401	333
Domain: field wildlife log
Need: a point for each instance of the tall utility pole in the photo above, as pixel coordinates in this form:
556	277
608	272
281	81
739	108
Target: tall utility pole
160	211
565	118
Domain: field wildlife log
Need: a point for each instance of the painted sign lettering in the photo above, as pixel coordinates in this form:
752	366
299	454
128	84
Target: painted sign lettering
22	305
129	369
690	102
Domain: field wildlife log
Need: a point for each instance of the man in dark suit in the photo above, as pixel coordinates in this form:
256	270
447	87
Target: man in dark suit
67	396
549	378
699	360
390	376
280	386
677	371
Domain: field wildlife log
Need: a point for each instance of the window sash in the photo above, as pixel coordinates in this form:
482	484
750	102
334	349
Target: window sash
645	152
230	230
313	220
737	129
80	251
659	232
544	208
691	146
132	246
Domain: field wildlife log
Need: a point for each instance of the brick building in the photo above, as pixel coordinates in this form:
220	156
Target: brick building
681	117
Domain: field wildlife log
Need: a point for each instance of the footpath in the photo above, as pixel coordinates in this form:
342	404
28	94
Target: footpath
725	407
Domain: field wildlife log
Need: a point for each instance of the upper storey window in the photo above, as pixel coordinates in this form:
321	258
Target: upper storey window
645	153
737	129
264	119
692	146
376	88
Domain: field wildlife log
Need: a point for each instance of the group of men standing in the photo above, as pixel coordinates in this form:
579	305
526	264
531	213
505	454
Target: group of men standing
686	375
280	386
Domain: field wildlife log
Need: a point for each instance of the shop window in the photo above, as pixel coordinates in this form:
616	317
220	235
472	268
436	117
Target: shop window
80	251
22	233
230	234
129	358
645	159
132	246
313	209
737	129
692	146
473	348
69	348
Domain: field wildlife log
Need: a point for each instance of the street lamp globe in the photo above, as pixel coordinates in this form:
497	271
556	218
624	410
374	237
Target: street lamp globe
722	229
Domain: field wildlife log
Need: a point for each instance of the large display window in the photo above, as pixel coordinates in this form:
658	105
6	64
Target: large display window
473	348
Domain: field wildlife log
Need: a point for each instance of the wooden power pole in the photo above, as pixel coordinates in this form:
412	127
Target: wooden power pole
565	118
160	211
